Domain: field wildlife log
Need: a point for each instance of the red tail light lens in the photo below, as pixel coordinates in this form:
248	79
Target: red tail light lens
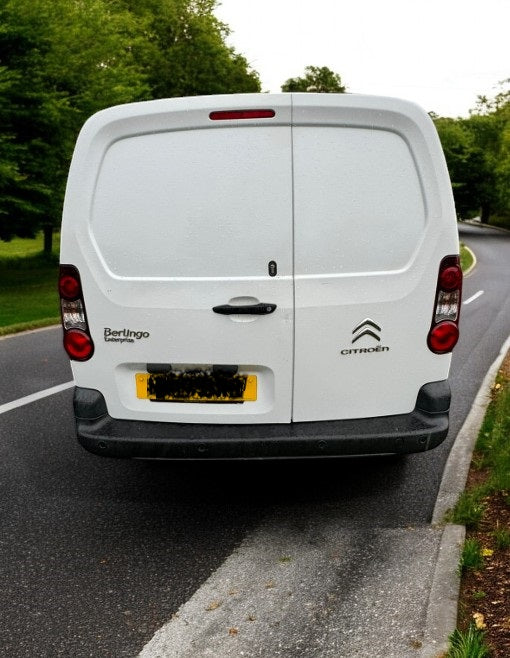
78	345
450	278
443	337
69	286
77	340
444	332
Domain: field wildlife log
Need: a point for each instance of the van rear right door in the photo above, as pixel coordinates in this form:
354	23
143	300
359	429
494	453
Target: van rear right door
371	224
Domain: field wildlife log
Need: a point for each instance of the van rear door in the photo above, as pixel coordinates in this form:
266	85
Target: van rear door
190	210
370	231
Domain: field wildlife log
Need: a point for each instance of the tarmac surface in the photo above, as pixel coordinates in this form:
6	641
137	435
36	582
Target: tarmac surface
282	593
338	558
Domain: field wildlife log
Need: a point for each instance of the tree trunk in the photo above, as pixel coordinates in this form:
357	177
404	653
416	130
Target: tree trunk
485	213
48	239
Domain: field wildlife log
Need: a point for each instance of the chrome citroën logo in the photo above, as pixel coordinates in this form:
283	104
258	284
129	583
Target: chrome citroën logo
366	328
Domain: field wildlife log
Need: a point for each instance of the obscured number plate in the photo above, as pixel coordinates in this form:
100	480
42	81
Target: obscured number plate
196	386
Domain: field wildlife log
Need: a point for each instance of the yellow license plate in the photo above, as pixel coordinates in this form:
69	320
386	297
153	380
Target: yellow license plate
196	386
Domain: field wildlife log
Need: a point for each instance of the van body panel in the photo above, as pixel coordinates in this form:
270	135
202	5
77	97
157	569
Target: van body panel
374	193
337	209
219	210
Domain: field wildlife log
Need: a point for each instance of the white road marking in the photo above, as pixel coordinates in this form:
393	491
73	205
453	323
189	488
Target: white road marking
28	399
473	297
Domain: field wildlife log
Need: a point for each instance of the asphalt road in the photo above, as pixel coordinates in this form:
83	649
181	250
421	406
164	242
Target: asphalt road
96	554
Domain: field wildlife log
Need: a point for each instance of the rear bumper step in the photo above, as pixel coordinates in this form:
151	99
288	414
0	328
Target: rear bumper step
422	429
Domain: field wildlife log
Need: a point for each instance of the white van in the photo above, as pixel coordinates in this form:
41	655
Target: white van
257	275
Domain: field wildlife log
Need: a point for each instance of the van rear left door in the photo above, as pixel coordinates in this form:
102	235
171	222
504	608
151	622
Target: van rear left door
189	213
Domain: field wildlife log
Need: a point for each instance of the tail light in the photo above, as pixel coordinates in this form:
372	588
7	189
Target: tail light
77	340
444	332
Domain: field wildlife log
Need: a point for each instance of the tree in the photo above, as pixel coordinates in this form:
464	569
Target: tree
477	151
316	79
60	61
184	52
468	169
63	60
16	192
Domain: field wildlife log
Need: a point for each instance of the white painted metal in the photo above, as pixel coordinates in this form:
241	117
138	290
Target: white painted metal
168	214
373	217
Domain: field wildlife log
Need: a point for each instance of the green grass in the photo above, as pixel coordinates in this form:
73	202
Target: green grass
468	644
466	258
503	221
22	247
492	452
471	557
501	538
28	286
469	508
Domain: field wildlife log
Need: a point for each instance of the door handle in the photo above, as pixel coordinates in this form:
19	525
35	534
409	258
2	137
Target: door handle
248	309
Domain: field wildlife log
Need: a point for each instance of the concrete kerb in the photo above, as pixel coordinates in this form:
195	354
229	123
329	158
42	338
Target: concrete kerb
473	222
441	618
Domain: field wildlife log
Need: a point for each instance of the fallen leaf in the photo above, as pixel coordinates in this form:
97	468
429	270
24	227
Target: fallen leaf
479	621
213	605
487	552
233	631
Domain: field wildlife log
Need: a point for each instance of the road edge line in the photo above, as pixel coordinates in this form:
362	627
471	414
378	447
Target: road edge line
34	397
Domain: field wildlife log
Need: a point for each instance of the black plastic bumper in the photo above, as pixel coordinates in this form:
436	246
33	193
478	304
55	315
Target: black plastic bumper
422	429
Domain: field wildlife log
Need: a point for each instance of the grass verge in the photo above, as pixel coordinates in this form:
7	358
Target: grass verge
484	508
28	286
466	257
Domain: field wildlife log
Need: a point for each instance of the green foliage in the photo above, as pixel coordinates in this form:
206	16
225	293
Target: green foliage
479	595
62	60
184	51
501	538
471	557
468	644
28	285
469	508
477	151
316	79
28	294
466	258
493	444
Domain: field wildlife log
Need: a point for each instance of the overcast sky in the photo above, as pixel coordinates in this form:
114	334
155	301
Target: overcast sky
438	53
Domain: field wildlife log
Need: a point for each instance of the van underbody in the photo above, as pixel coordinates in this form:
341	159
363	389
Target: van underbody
422	429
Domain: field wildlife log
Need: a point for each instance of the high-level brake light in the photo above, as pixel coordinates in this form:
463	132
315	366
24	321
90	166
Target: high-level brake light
77	340
229	115
444	332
